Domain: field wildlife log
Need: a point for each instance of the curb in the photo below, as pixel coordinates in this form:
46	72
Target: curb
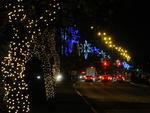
85	100
139	85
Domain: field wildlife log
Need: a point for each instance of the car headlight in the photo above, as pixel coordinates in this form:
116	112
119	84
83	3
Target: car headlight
59	78
38	77
80	77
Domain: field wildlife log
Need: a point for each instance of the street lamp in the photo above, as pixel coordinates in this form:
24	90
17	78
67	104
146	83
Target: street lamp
92	27
99	33
104	33
38	77
109	38
105	38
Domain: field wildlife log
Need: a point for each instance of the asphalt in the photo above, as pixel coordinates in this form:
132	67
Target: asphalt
116	97
97	98
67	100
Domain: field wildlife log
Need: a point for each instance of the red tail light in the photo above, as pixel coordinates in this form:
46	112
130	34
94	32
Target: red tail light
109	78
102	78
84	77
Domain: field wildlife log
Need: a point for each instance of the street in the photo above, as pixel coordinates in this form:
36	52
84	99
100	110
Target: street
89	97
115	97
66	101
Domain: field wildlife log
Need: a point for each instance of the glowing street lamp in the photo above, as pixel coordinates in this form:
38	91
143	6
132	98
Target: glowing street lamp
106	42
92	27
38	77
114	46
110	42
105	38
110	46
109	38
99	33
104	33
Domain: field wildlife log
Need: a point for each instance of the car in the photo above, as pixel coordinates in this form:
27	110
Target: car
89	78
119	77
81	75
105	78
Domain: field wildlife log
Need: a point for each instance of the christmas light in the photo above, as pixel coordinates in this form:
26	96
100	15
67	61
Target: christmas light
108	41
70	38
26	34
87	49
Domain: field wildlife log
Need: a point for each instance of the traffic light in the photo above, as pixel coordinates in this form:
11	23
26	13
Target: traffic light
105	63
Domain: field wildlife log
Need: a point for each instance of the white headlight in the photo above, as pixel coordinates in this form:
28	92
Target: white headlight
80	77
38	77
59	78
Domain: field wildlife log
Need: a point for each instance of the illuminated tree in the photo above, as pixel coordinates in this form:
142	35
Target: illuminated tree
28	39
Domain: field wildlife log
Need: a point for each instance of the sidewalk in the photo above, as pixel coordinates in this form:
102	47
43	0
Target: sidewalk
139	85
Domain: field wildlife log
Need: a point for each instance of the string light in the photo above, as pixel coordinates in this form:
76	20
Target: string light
20	51
87	49
108	41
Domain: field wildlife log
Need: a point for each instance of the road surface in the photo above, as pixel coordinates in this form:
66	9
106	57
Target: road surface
98	98
66	101
115	97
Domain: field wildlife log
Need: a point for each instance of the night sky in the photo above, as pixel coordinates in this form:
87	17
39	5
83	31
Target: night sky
130	25
127	21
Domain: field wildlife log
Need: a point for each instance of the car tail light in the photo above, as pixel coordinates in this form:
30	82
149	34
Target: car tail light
109	78
123	78
102	78
85	77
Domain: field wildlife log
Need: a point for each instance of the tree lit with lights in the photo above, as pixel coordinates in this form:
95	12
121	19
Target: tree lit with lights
26	33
